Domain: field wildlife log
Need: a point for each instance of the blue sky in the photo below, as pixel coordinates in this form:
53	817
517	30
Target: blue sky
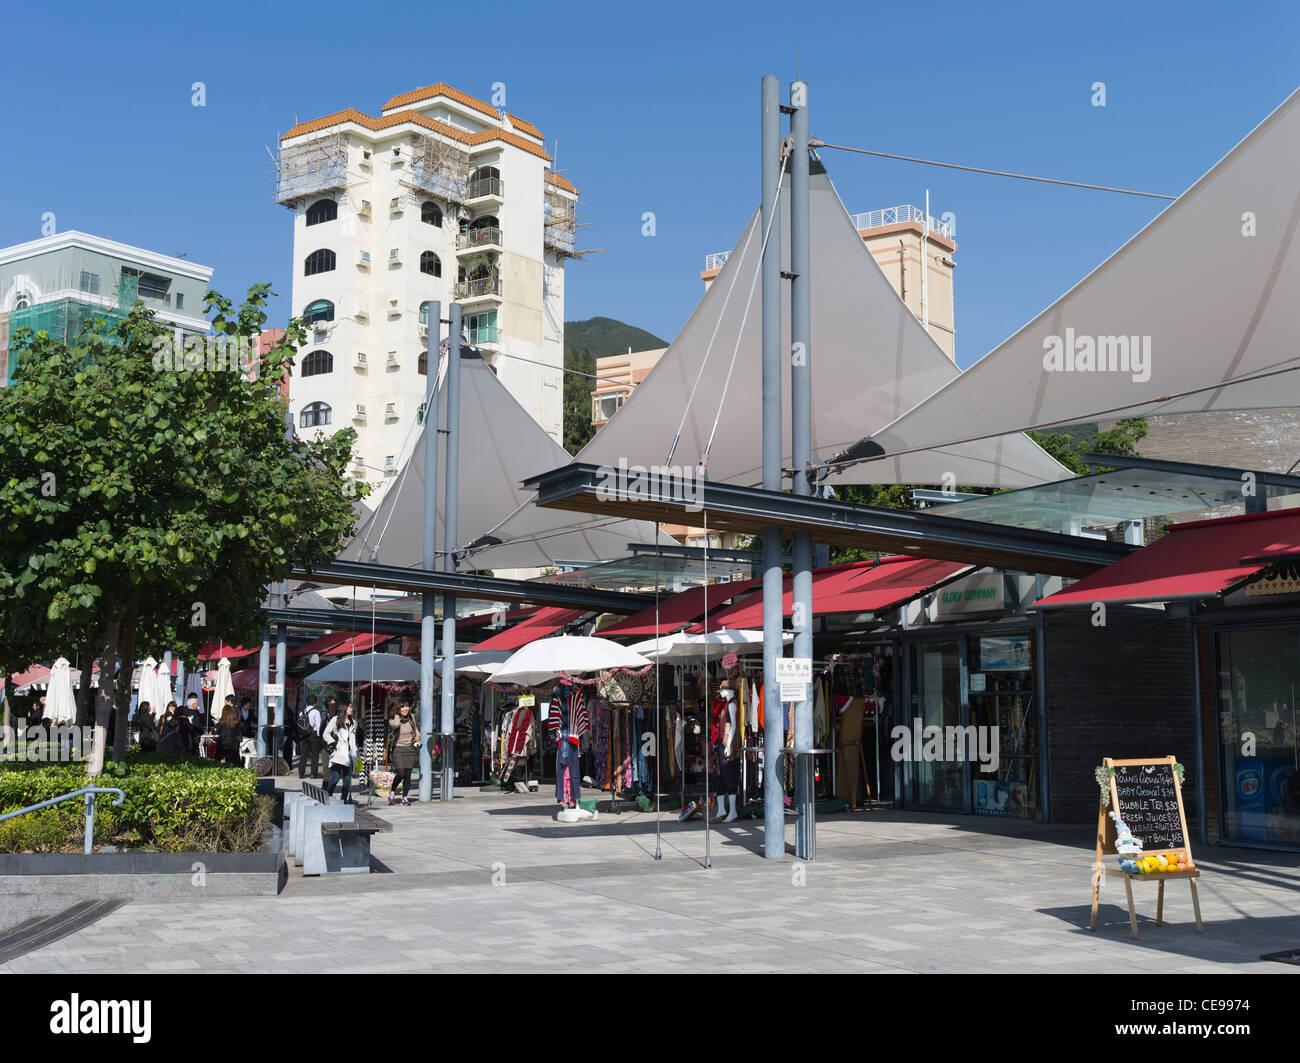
651	110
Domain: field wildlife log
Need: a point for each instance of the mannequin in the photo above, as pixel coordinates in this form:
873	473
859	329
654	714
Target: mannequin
567	723
726	750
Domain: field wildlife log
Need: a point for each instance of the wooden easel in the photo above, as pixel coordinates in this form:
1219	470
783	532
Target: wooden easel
1106	847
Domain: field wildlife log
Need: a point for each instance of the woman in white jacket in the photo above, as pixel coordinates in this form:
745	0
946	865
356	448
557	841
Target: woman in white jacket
341	739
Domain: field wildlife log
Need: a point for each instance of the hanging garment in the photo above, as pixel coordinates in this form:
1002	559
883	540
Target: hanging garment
821	716
850	752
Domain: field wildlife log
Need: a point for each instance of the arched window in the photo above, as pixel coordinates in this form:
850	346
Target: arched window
314	415
321	261
21	303
322	210
431	213
484	172
424	311
422	363
485	181
318	362
431	264
320	310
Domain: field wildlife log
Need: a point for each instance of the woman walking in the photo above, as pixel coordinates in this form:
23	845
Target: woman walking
229	735
173	732
341	740
403	750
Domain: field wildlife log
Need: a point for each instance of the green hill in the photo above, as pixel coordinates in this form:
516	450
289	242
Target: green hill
604	335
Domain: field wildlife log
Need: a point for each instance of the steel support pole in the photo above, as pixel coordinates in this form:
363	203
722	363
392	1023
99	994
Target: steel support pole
263	677
451	486
429	552
774	723
801	454
281	677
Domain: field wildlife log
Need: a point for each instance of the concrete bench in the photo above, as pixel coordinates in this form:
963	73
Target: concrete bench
326	836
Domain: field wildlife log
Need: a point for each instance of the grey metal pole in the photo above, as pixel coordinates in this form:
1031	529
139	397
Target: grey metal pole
263	677
774	724
451	485
801	451
281	676
429	553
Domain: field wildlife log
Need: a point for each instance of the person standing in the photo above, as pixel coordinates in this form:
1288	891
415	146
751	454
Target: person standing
147	727
403	750
341	740
173	732
229	735
309	740
288	731
198	723
248	718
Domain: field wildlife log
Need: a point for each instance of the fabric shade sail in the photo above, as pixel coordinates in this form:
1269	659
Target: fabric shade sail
500	446
678	610
1207	290
542	623
862	587
871	362
1200	559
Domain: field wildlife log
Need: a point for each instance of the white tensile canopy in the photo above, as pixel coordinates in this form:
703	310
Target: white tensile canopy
871	361
1211	283
500	446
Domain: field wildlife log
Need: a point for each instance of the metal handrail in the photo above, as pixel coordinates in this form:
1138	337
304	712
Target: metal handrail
90	792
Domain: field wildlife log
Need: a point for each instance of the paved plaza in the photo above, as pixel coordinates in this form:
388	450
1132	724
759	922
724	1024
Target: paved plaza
493	883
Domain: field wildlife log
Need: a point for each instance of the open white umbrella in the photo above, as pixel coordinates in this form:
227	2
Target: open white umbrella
541	661
477	662
60	706
225	686
684	647
369	667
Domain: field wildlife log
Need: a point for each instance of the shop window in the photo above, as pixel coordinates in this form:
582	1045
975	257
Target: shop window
1000	675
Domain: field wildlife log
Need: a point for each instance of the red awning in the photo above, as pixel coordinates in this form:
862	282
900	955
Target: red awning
324	644
361	643
862	587
210	651
542	623
1200	559
679	609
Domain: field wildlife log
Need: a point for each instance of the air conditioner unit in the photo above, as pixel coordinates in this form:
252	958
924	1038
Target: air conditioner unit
424	330
392	360
365	154
360	414
395	204
363	258
393	302
364	212
361	361
362	314
358	462
397	152
394	255
390	465
321	328
390	409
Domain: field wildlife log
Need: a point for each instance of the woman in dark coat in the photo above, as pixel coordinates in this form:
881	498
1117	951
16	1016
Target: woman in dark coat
229	733
144	721
173	732
403	750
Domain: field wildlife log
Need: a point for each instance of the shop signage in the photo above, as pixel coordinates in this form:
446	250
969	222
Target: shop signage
527	701
794	674
273	690
977	682
976	594
1287	582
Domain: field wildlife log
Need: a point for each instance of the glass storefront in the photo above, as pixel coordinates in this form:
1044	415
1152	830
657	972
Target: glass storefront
936	701
1258	676
1002	696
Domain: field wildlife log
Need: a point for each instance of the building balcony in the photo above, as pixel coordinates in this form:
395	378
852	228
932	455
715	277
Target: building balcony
484	336
486	188
474	239
483	288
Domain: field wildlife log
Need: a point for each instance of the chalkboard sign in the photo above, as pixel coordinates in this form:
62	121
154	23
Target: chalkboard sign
1147	796
1148	800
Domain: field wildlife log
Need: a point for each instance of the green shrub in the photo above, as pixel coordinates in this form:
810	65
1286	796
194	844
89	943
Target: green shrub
169	803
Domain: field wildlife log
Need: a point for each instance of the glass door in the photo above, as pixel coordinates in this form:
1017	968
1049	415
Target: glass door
937	781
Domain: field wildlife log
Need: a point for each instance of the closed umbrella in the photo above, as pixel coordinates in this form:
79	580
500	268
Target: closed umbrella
148	686
60	706
546	659
164	686
224	686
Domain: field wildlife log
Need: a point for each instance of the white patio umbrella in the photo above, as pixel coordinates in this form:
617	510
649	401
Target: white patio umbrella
60	706
225	685
544	660
163	687
684	647
148	688
477	662
369	667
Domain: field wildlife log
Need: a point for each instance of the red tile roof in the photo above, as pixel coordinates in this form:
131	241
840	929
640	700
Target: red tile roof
430	92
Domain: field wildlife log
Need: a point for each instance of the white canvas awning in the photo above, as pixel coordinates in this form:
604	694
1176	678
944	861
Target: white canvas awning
871	362
1209	287
500	445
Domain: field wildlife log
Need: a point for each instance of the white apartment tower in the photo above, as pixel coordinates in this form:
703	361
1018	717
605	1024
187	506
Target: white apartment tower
440	198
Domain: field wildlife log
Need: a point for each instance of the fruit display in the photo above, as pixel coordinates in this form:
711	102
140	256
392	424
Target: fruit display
1158	863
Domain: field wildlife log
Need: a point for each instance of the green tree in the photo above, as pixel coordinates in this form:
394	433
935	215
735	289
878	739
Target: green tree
578	428
1066	447
150	498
